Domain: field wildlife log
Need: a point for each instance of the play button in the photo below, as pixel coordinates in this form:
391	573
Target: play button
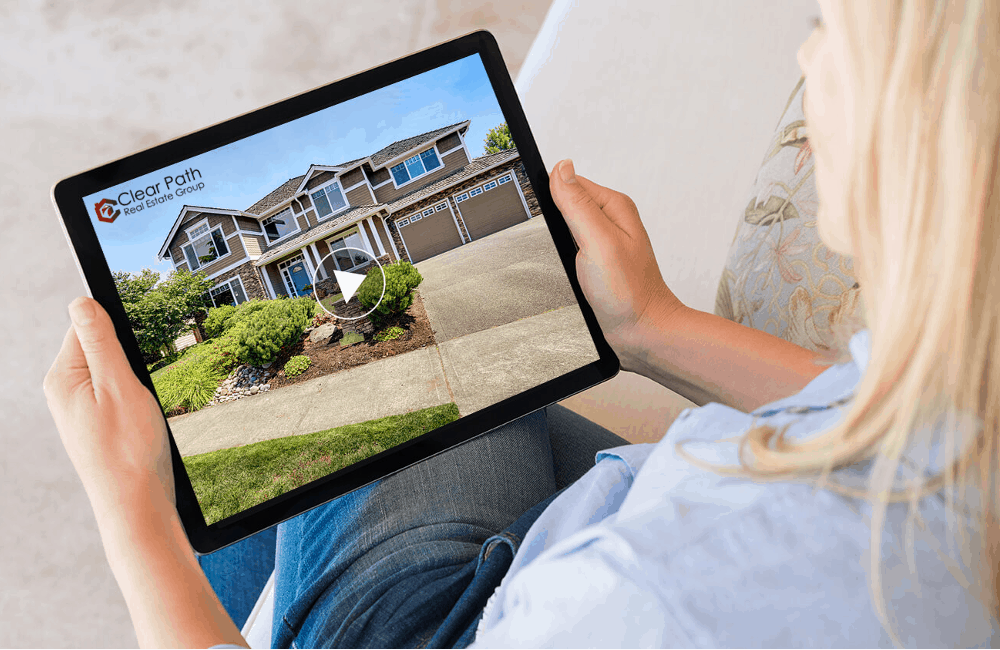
349	283
336	292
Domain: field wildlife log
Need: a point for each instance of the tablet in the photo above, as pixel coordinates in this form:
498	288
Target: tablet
334	287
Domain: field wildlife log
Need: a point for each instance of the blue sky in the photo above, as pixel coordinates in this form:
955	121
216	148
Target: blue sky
238	175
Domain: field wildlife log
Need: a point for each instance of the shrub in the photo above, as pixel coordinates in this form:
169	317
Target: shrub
401	279
390	334
271	328
190	383
297	365
218	320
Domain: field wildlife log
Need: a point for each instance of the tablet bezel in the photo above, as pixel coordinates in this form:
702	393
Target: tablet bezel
68	196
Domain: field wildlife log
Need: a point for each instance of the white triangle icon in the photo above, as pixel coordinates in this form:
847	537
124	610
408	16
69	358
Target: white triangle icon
349	283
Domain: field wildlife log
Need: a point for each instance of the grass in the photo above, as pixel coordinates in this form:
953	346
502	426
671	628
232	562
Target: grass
191	380
231	480
330	300
350	338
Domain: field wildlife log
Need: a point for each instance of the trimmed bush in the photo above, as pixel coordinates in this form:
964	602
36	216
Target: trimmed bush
271	328
390	334
401	279
297	365
218	320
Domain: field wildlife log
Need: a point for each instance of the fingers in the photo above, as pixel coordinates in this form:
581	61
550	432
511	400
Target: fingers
591	210
68	370
584	214
98	342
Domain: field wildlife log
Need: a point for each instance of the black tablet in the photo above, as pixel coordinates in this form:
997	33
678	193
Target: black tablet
334	287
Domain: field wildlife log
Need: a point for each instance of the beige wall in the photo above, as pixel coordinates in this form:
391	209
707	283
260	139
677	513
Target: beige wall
450	163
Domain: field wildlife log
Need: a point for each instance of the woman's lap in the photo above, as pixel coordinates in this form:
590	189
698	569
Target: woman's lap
429	541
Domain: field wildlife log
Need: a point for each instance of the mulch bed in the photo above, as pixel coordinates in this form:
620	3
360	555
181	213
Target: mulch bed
328	358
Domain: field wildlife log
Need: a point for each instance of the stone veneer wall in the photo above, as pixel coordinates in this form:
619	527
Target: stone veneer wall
396	239
251	281
527	190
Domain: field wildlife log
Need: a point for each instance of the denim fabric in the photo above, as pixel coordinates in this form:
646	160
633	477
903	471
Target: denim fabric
410	560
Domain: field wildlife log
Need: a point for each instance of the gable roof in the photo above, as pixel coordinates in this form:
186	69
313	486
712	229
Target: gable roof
354	214
386	154
283	192
180	218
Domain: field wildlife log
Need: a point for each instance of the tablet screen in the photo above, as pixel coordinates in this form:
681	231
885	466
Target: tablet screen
325	290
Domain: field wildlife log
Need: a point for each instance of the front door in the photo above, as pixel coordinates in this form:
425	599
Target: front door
296	276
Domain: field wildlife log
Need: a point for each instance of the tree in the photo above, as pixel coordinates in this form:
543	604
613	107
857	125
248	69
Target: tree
498	139
157	309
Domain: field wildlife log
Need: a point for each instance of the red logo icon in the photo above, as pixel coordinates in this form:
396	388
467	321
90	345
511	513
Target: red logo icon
106	210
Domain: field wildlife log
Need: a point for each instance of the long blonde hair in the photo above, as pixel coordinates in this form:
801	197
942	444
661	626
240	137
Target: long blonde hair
923	201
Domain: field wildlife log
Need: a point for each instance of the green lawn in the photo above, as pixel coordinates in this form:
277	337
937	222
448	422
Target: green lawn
330	300
231	480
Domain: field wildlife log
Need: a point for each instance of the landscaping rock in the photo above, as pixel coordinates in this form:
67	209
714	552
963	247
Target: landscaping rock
254	390
322	333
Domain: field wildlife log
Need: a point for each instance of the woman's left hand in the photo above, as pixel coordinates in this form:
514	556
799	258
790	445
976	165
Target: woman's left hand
111	425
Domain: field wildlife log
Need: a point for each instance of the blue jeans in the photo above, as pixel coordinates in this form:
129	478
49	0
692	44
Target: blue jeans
412	559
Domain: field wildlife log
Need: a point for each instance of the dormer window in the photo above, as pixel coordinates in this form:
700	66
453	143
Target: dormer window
279	225
206	245
415	167
329	200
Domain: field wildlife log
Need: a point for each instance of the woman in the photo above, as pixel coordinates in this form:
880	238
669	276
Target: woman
735	529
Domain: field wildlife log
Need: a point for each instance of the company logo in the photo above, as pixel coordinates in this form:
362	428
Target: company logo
106	210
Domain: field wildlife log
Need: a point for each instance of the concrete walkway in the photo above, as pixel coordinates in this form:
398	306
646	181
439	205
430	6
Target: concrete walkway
473	371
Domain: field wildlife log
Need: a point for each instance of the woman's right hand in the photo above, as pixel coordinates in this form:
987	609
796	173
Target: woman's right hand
616	266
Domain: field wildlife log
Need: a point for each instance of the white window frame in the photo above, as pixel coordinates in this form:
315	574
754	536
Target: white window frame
464	196
402	161
343	195
428	212
295	221
402	223
192	228
475	191
441	206
489	186
503	179
344	234
190	242
228	283
416	216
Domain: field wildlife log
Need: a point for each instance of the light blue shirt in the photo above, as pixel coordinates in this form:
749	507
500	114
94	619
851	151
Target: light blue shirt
649	550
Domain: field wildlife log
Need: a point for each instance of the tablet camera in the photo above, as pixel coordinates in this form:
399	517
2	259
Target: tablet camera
345	282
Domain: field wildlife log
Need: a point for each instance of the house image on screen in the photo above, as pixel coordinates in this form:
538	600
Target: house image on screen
411	200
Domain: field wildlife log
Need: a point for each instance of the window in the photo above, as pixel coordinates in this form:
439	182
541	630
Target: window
349	259
328	200
228	293
279	225
428	212
503	179
442	206
206	248
197	232
461	197
416	217
489	186
475	192
415	166
403	222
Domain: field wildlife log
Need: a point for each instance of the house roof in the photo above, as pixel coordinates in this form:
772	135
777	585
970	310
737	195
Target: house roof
386	154
180	217
476	166
284	191
357	213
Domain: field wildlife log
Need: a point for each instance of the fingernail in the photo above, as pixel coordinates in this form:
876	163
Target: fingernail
566	171
81	312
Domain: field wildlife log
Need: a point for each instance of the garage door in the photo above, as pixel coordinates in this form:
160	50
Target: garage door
429	234
493	209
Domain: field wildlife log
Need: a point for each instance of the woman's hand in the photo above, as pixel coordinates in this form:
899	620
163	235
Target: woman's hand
110	424
615	265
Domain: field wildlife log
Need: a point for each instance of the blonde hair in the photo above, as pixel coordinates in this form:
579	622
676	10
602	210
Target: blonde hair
923	201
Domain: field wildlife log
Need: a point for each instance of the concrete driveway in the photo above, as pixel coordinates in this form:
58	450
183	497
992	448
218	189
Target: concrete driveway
499	279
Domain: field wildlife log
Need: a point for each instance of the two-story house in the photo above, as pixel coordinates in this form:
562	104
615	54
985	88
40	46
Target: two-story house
411	200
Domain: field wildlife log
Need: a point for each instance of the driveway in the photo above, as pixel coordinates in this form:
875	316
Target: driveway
473	371
499	279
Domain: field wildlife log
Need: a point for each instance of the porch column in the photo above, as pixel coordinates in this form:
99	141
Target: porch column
322	269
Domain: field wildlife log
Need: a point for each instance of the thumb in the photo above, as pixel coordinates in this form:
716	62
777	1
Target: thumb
584	215
101	349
